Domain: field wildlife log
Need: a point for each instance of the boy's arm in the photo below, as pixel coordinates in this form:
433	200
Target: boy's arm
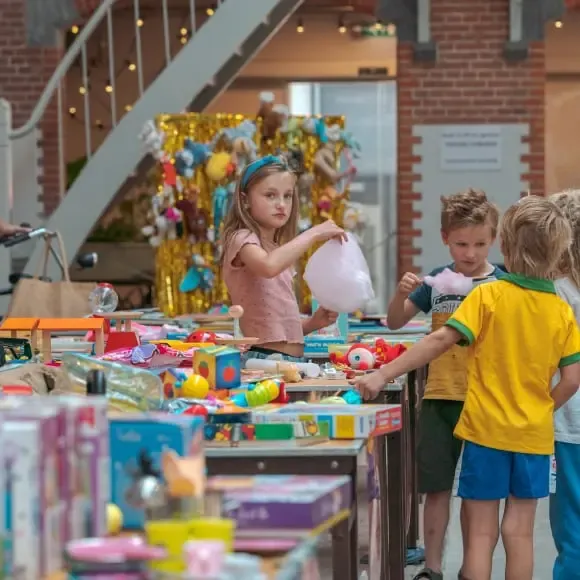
568	385
400	311
422	353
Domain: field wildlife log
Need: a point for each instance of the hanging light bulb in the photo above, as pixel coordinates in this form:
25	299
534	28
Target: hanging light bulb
140	22
558	24
183	32
210	11
82	90
300	27
128	108
99	124
109	87
378	25
341	26
72	111
74	29
132	66
183	40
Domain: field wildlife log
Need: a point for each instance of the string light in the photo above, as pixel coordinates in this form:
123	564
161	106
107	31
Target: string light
132	66
558	24
341	26
140	22
82	90
300	27
378	25
108	87
183	32
210	11
74	29
128	108
72	111
183	40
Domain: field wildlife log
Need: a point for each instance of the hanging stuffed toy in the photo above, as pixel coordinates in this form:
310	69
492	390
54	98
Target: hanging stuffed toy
293	130
219	166
188	159
200	276
274	117
153	140
241	143
196	219
221	199
166	221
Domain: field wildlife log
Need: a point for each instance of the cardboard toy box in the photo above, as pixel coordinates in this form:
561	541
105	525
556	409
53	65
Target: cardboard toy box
137	443
282	505
262	432
345	421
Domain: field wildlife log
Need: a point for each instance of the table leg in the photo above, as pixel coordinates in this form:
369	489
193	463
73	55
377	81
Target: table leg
413	533
385	503
397	501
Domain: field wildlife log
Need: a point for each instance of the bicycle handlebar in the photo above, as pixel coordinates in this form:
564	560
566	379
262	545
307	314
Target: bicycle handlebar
19	238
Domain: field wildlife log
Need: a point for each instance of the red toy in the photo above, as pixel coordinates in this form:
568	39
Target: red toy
201	336
364	357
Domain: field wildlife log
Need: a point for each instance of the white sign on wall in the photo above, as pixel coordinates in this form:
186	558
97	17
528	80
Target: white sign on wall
471	148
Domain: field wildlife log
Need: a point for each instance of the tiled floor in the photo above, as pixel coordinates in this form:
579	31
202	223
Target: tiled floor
545	552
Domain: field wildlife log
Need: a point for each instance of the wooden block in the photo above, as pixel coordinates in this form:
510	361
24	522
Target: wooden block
66	324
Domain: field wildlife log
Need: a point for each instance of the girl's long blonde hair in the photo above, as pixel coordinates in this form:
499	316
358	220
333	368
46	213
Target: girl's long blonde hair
569	202
239	218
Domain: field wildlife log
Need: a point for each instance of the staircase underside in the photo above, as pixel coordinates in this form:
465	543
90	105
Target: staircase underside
119	164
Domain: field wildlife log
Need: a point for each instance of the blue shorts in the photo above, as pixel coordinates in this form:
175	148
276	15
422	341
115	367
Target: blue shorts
490	474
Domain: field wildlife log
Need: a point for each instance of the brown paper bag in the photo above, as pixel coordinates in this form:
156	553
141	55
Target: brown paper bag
36	298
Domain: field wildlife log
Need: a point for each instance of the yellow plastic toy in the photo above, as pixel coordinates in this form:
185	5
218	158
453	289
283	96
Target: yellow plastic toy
194	387
114	519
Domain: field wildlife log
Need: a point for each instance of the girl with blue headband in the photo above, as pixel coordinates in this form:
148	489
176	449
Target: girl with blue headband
259	253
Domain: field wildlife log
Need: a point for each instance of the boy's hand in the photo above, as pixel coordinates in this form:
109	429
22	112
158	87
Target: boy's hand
323	318
369	386
408	283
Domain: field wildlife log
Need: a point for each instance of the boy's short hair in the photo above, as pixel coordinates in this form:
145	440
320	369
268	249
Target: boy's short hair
535	235
468	208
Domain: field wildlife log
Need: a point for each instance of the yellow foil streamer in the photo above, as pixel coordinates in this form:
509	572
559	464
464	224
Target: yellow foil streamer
173	257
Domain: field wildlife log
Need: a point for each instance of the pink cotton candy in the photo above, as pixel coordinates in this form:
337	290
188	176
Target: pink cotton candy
448	282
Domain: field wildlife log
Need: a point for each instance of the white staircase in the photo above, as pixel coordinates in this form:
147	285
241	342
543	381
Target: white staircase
203	69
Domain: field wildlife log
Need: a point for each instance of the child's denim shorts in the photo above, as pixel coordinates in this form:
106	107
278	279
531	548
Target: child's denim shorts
264	353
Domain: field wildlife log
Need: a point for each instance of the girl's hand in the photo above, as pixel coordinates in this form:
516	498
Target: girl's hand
323	318
327	231
369	386
7	229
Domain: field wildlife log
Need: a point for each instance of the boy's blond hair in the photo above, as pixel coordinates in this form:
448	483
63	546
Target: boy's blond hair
534	236
569	202
468	208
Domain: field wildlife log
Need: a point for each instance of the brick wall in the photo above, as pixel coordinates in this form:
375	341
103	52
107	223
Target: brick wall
24	72
470	83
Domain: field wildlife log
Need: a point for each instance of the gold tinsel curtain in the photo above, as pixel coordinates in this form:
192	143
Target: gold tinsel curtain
174	257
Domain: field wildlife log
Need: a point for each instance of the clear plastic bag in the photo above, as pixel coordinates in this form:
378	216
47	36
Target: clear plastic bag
338	276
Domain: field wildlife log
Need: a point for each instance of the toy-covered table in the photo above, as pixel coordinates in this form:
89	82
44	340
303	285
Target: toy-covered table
334	457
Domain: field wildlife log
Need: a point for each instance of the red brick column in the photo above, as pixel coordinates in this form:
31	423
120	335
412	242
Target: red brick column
471	82
24	72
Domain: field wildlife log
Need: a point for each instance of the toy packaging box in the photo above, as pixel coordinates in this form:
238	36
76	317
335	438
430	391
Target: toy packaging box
220	365
216	435
86	465
335	334
345	421
284	505
137	443
49	511
32	502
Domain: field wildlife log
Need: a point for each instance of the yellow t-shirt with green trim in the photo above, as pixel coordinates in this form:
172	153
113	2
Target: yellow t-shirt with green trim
447	378
518	333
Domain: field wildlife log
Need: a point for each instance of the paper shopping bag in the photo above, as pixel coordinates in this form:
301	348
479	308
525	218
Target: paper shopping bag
38	298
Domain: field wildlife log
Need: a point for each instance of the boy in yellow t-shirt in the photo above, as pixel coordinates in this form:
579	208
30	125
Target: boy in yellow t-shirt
518	333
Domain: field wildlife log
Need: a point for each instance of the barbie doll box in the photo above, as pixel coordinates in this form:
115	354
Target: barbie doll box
85	467
345	421
137	443
32	501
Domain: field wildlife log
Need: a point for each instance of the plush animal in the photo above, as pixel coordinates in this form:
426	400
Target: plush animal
193	155
152	140
274	117
219	166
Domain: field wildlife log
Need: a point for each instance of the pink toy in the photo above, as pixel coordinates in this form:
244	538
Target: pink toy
448	282
111	550
204	559
150	356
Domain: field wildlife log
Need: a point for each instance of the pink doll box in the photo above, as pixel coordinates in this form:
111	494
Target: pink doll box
51	507
89	466
34	552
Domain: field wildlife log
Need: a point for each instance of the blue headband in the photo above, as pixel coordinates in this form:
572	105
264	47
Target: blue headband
258	164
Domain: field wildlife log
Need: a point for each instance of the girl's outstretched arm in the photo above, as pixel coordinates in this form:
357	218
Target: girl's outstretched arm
271	264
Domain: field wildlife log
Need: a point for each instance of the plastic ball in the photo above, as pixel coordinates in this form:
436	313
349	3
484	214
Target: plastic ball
114	519
194	387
